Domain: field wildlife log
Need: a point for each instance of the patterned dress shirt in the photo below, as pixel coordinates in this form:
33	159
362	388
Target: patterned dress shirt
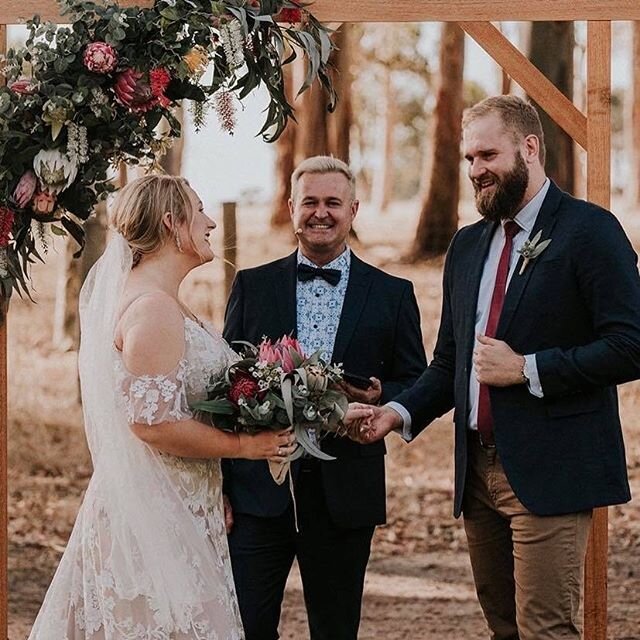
319	306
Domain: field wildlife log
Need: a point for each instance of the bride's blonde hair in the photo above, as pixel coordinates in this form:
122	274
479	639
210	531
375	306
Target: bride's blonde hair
140	207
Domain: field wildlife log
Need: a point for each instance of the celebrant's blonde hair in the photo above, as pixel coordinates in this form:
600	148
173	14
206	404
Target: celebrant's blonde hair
319	165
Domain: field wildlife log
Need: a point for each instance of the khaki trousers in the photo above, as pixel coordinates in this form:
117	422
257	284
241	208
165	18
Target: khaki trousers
527	569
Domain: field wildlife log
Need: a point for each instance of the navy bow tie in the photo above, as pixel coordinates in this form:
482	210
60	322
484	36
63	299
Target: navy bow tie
307	272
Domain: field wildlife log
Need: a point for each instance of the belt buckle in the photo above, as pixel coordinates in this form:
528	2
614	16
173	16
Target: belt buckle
486	445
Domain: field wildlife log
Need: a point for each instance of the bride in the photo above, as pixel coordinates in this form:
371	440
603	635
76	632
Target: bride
148	556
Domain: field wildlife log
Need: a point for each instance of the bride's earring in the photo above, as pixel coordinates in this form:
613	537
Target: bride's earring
176	235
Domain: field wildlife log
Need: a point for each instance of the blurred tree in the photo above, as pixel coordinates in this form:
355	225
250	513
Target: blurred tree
285	162
391	89
171	162
71	275
635	117
439	215
551	50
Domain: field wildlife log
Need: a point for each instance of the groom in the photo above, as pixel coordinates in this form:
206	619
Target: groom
367	320
532	343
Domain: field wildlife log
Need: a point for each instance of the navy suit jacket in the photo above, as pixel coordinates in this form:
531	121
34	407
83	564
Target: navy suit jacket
577	307
378	335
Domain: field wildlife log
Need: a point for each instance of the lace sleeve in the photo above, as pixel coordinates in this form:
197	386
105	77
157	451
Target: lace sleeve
152	399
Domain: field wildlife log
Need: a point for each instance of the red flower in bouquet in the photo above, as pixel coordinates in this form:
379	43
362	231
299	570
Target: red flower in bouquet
100	57
243	387
289	15
7	217
44	202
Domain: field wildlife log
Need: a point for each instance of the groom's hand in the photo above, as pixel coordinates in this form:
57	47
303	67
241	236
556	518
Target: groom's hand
383	421
496	363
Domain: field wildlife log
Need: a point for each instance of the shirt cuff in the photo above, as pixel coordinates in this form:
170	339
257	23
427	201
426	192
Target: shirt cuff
405	432
533	379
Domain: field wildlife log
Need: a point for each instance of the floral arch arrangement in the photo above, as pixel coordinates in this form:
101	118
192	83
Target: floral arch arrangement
81	98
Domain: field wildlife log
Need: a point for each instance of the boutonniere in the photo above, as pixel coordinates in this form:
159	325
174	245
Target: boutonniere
531	249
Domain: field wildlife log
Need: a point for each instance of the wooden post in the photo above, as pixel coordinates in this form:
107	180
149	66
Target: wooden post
230	244
4	519
598	191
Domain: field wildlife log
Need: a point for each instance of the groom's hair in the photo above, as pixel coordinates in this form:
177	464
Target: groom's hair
322	164
518	116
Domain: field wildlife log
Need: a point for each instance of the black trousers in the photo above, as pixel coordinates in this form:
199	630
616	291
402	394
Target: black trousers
332	563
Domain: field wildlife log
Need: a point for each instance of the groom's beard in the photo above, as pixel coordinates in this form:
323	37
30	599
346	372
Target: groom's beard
503	202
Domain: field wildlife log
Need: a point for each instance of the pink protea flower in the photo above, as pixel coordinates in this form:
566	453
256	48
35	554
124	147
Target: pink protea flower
44	202
23	87
133	91
7	216
267	353
100	57
291	343
25	189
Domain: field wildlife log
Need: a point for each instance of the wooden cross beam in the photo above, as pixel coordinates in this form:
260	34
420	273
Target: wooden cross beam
15	11
591	131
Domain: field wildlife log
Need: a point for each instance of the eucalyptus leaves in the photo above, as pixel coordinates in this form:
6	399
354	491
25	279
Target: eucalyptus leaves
81	98
531	249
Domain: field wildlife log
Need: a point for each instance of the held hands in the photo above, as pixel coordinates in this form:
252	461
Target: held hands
228	513
366	424
497	364
276	446
367	396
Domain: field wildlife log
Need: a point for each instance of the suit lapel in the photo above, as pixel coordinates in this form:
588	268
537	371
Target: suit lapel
284	289
475	269
544	222
354	301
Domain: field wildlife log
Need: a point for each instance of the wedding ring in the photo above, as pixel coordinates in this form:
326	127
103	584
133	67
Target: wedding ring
279	451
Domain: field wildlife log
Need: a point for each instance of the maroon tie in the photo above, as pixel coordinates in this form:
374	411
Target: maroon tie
485	418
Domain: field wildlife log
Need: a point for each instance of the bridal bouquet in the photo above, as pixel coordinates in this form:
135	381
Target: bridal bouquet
275	385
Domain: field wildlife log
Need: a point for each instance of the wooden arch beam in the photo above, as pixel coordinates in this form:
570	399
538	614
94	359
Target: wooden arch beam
16	11
533	81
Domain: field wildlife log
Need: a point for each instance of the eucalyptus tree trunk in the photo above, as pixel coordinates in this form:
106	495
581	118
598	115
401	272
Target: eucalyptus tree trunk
71	275
285	162
551	50
635	116
439	214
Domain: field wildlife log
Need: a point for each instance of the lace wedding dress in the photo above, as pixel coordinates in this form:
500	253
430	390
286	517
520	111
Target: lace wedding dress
148	556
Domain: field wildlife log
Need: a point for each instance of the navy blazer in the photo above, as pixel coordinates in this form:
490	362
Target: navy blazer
378	335
577	307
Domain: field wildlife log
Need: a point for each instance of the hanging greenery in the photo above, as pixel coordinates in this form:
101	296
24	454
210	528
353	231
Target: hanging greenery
80	99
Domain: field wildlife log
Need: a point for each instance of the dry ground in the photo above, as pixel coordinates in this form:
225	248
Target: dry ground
419	583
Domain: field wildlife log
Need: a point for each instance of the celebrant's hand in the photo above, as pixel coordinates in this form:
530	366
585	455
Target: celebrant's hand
228	513
272	445
368	396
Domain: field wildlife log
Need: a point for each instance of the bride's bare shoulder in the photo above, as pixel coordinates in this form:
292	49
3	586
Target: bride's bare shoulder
150	332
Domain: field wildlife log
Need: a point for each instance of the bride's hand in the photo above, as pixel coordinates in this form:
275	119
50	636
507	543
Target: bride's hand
273	445
357	419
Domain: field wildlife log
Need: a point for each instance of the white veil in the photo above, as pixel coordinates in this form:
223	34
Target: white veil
137	562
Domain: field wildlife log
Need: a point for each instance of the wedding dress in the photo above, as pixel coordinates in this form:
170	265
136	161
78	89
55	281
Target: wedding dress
148	556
